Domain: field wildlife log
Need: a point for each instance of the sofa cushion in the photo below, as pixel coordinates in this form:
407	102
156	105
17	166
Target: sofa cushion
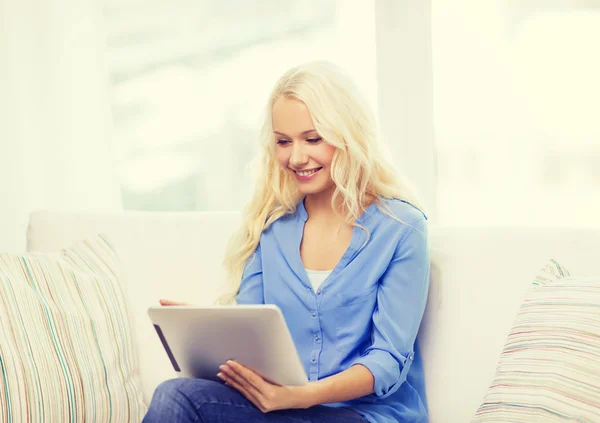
66	350
550	366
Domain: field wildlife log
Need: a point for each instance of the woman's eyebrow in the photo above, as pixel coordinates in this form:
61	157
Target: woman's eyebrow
303	133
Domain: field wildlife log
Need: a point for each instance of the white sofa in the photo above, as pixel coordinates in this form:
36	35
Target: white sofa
478	278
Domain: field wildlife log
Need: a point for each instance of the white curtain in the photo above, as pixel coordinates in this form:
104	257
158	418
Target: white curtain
55	119
405	92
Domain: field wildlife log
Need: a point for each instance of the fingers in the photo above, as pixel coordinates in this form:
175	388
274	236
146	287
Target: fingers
254	379
240	379
249	383
171	303
242	389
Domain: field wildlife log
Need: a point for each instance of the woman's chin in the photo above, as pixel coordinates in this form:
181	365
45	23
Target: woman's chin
313	188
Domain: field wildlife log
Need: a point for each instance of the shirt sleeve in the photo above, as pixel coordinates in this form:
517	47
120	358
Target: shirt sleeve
401	300
251	287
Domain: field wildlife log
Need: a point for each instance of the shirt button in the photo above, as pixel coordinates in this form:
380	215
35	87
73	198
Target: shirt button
314	314
316	338
313	359
319	292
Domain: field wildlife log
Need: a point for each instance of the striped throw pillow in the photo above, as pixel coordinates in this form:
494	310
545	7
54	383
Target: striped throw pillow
549	370
66	348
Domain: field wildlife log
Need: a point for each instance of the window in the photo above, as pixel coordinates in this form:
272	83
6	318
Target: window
191	79
516	104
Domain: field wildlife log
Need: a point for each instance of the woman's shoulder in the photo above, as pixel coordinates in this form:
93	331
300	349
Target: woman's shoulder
396	211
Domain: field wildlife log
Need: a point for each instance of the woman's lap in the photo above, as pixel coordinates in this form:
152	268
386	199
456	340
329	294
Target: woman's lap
204	401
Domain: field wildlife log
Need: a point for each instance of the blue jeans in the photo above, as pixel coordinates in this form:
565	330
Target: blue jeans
205	401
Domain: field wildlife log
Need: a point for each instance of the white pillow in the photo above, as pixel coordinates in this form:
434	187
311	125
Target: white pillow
66	348
549	370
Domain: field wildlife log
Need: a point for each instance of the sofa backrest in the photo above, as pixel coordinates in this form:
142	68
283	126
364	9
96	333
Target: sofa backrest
479	276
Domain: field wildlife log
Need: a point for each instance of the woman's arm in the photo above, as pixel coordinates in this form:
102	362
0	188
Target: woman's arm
354	382
251	286
401	301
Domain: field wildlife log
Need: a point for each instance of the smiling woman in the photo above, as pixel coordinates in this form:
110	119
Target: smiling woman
336	240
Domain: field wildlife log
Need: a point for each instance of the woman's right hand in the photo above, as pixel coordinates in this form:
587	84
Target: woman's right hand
171	303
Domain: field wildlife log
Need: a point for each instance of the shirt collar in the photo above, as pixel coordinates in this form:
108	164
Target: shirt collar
302	213
302	210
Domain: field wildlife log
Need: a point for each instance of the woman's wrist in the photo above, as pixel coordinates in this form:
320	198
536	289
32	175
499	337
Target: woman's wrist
304	396
355	382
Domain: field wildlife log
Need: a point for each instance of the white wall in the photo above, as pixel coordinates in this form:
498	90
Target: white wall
55	120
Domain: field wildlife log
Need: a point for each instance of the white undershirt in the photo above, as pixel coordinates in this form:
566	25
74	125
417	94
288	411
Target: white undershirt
317	277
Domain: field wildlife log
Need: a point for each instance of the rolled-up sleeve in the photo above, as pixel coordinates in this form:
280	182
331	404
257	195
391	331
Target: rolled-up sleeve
401	300
251	288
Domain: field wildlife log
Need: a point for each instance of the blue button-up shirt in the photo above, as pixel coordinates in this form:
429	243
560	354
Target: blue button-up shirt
368	310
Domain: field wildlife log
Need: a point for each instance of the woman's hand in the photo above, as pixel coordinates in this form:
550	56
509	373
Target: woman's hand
264	395
171	303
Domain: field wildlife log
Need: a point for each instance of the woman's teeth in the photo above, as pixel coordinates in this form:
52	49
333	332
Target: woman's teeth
308	172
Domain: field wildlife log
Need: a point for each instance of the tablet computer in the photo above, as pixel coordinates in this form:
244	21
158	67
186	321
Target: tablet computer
198	340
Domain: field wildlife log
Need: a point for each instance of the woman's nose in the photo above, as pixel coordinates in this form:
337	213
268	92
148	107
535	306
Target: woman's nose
298	156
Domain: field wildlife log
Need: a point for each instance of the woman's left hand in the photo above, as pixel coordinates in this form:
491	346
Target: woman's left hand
264	395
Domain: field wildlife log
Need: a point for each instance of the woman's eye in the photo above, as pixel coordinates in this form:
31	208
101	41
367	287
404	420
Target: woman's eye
283	142
313	140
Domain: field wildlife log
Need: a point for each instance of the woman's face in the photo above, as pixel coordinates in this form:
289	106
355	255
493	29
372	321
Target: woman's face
299	148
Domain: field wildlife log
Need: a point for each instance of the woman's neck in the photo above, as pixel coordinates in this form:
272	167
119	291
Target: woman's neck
318	206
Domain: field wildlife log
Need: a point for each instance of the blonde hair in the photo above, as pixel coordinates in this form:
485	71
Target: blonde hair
343	119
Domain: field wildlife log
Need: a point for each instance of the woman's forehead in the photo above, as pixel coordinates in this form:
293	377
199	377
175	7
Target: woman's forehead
291	117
